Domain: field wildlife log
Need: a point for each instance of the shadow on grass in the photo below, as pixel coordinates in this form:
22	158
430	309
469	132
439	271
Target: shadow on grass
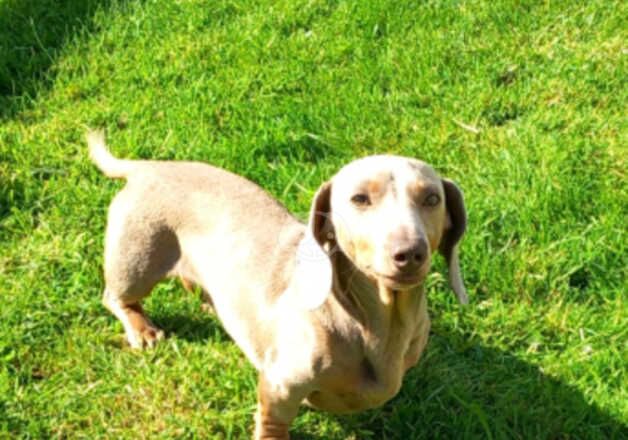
196	327
32	34
461	389
477	391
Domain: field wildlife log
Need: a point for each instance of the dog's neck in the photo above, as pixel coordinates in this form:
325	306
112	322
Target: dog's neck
380	311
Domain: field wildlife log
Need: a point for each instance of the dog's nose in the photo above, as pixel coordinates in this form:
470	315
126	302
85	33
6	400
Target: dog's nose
409	256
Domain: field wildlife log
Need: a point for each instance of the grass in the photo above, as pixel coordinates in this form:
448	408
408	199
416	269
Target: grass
522	103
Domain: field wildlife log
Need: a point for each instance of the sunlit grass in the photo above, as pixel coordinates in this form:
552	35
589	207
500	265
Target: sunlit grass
522	103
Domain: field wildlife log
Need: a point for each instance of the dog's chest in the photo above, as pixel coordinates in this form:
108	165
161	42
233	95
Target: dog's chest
367	372
358	385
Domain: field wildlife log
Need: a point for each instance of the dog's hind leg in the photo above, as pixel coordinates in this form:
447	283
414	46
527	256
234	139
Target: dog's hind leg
140	250
207	305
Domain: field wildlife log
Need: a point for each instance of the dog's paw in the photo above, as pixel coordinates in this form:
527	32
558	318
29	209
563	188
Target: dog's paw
147	337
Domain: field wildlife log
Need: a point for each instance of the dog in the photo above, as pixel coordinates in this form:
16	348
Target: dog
332	314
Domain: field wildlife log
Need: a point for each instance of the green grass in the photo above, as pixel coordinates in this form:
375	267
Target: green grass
285	92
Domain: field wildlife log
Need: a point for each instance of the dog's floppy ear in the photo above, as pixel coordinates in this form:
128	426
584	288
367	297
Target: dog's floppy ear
313	272
320	225
454	230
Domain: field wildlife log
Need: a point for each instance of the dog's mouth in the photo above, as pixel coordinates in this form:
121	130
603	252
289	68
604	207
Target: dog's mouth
401	280
397	280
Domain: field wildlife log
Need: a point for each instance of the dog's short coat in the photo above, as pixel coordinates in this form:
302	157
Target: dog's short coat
332	313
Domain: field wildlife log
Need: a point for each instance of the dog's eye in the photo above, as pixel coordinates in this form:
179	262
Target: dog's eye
431	200
361	200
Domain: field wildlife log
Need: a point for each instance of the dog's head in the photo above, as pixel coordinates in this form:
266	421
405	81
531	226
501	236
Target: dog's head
388	215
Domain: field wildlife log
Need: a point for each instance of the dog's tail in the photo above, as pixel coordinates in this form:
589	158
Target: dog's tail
110	165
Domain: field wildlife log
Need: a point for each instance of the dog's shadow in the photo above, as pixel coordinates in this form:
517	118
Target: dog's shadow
475	391
199	327
462	388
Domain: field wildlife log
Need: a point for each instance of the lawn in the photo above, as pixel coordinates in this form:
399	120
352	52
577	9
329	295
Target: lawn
523	103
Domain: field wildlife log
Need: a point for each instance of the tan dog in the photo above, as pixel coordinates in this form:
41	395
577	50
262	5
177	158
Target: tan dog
331	314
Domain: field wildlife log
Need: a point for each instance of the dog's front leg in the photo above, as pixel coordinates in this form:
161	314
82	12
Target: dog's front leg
277	406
